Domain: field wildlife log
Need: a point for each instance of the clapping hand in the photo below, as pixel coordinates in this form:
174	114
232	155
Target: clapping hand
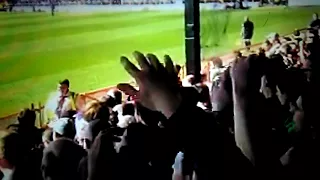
158	84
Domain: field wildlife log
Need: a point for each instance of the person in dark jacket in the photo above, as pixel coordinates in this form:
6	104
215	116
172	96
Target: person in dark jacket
247	32
23	162
315	23
61	160
26	127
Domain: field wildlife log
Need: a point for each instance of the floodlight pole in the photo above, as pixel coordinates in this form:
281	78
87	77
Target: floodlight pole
192	38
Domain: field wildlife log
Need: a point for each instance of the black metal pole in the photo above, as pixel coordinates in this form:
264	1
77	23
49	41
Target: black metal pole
192	38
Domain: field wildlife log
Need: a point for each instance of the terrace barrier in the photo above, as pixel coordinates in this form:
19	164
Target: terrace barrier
83	98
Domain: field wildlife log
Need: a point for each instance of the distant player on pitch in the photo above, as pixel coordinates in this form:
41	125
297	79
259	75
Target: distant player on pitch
247	32
52	4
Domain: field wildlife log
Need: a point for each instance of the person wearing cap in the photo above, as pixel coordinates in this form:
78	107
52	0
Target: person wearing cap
60	103
63	128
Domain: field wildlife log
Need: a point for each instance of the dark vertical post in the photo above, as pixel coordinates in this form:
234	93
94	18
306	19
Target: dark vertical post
192	38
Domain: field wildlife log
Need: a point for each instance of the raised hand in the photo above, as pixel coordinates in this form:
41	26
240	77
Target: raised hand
246	75
252	134
158	85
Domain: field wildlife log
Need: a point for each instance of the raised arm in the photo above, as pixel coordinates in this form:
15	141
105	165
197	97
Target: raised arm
251	132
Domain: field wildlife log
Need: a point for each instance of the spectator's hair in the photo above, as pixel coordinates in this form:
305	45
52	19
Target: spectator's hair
238	54
96	110
296	33
203	77
267	42
118	96
128	109
317	15
108	101
65	81
262	51
217	62
285	50
14	148
287	39
27	117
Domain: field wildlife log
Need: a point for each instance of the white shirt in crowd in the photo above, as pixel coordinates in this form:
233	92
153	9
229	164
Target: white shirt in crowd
215	73
124	120
80	124
52	109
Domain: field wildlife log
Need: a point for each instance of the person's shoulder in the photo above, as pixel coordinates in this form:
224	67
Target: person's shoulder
315	22
73	94
13	127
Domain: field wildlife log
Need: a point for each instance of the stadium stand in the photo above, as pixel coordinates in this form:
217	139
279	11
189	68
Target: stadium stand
255	119
117	2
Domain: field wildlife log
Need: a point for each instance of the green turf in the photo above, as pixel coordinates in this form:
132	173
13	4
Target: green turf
37	50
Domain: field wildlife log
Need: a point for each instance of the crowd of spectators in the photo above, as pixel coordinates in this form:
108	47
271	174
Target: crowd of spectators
257	121
120	2
92	2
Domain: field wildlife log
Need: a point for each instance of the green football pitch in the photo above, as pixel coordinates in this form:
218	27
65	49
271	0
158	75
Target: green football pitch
37	50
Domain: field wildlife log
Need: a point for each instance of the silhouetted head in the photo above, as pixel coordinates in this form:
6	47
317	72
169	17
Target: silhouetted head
116	94
96	110
246	18
63	128
315	16
13	149
27	117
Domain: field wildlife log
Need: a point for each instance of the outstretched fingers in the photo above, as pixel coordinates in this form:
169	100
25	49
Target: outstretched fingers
142	60
169	65
129	67
154	61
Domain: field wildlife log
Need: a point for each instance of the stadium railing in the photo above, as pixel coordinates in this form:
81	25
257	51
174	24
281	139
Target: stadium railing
83	98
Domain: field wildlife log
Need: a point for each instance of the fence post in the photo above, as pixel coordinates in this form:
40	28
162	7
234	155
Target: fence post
40	115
